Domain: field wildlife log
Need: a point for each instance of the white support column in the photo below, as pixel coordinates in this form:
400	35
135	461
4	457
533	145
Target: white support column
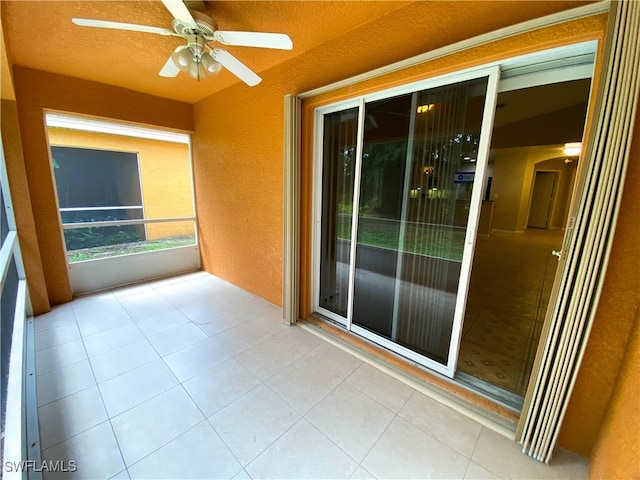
21	427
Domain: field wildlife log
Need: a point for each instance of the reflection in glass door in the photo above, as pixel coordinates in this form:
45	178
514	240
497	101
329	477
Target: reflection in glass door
398	272
339	147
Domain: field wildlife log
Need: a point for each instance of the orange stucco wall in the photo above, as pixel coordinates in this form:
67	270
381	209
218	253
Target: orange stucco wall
570	32
602	396
21	200
37	91
616	453
165	174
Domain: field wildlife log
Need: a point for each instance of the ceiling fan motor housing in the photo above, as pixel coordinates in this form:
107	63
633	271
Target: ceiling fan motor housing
196	44
205	27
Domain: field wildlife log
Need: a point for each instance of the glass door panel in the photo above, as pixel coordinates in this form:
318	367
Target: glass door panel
419	160
386	135
338	168
442	170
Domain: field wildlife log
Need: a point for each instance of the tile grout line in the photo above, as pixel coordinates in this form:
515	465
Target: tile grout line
264	384
127	466
301	416
181	384
113	431
101	400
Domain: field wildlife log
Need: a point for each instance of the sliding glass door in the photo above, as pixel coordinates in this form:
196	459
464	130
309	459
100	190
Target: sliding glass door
400	181
339	138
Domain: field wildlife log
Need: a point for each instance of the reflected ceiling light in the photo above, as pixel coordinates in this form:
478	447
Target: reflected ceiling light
425	108
193	59
572	149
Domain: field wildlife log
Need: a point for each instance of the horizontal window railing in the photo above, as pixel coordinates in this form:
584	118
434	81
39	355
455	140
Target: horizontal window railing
70	226
97	240
100	214
82	209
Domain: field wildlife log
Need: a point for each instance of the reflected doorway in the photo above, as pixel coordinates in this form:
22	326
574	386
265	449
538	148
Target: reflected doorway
544	189
508	298
526	214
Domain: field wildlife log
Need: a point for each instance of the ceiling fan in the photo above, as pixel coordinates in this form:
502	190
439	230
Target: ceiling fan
198	58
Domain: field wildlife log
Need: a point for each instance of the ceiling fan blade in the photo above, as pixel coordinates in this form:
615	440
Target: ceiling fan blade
236	67
255	39
87	22
180	12
170	69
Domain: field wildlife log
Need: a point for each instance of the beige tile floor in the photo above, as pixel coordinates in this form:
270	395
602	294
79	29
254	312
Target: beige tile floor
191	377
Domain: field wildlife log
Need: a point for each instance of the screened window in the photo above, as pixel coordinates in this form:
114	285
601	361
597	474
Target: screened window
98	186
121	189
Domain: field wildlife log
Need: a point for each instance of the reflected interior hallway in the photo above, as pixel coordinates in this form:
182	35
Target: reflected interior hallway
191	377
509	292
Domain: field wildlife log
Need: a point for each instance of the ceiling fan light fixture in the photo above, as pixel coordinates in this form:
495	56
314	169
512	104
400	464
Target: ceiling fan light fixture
215	68
183	58
193	59
210	65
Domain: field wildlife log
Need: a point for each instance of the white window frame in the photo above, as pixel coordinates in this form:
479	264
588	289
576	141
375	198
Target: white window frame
21	429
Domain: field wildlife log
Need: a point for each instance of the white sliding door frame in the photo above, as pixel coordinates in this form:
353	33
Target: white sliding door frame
492	74
319	115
